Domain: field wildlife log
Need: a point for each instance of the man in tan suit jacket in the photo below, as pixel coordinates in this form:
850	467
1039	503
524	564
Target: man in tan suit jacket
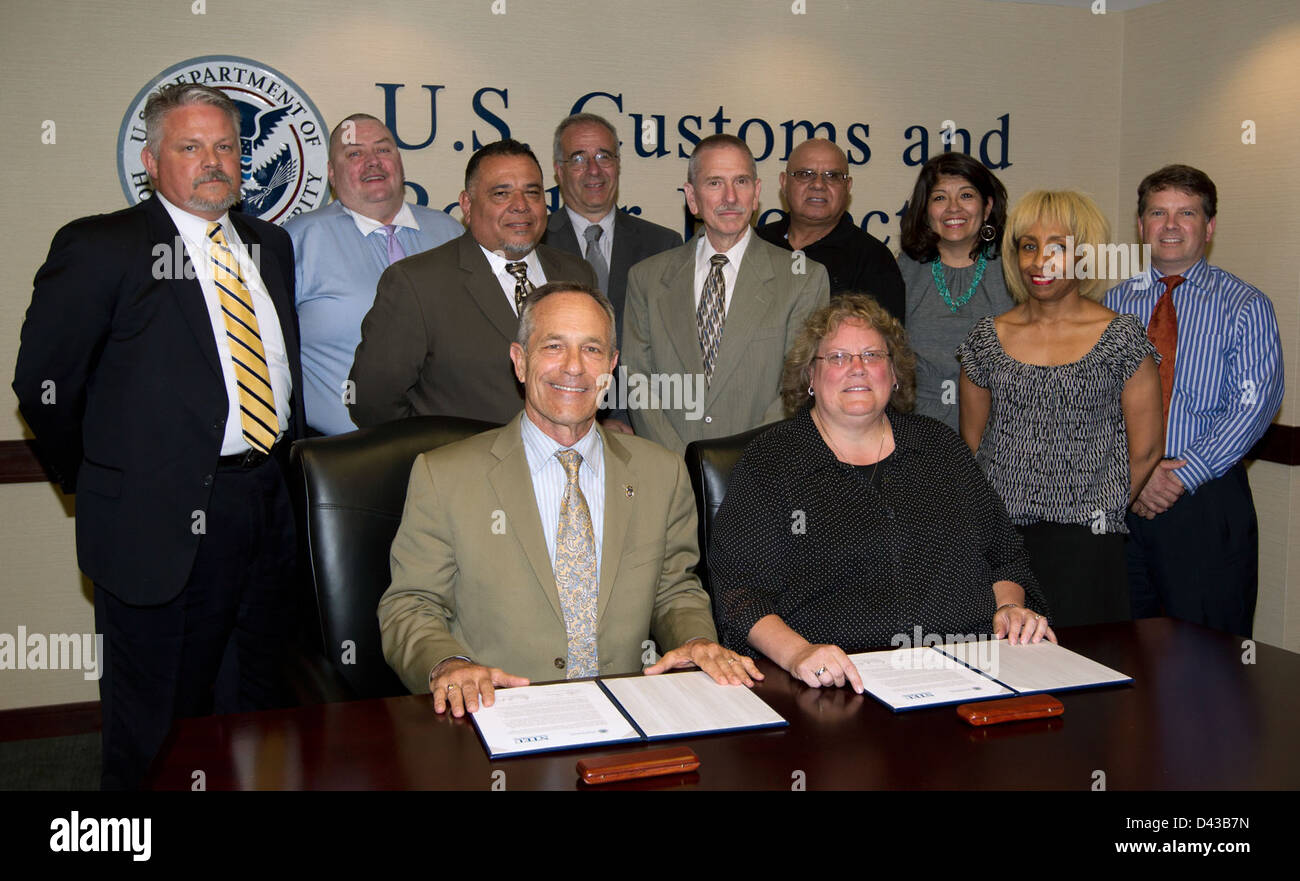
766	299
436	338
474	602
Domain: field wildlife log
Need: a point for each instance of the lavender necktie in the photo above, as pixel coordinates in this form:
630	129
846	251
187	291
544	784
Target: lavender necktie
395	250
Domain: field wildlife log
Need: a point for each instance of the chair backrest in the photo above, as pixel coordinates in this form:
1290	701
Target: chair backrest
709	463
349	493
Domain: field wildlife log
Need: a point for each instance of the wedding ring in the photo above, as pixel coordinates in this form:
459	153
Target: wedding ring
452	686
820	670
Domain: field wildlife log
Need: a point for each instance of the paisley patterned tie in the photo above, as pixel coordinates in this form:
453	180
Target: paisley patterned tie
523	287
575	572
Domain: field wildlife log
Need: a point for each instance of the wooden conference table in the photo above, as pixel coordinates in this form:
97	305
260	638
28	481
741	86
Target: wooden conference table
1196	717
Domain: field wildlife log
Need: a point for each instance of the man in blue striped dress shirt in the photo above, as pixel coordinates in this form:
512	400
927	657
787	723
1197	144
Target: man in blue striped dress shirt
1194	543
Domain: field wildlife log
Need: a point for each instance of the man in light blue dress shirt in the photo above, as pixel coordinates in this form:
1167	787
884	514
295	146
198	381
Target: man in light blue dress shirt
1193	550
343	248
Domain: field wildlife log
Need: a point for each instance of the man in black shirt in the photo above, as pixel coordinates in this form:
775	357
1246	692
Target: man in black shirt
816	187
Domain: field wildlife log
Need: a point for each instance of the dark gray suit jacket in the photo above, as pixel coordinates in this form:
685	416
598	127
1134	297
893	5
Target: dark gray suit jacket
437	340
634	240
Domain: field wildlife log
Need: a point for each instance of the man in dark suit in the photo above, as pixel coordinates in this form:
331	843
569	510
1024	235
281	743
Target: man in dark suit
437	340
159	372
587	169
708	324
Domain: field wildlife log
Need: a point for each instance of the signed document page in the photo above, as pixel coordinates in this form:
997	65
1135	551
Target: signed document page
906	678
536	718
677	704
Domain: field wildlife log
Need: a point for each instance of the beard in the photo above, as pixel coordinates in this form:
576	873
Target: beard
218	204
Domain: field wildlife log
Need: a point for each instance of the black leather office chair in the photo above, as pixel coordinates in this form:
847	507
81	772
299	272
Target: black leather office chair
709	463
348	494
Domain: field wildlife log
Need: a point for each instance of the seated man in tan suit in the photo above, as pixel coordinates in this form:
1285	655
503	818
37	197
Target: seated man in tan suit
714	318
435	340
548	548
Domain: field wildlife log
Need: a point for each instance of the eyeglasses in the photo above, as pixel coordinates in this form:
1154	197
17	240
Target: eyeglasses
580	160
806	176
845	359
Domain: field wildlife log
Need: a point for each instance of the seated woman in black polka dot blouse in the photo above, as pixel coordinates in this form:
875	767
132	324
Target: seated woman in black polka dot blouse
856	522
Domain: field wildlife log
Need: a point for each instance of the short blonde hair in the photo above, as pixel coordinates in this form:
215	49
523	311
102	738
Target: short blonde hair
862	308
1072	210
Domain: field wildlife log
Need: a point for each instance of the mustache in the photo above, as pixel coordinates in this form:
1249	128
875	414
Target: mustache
209	176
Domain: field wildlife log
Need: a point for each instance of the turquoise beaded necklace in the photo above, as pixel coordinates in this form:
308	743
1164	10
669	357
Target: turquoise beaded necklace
936	269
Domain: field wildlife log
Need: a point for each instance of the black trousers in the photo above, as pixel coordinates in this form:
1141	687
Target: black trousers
1082	574
215	648
1199	561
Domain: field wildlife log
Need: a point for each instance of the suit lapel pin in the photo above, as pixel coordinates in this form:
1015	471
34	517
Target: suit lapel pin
628	489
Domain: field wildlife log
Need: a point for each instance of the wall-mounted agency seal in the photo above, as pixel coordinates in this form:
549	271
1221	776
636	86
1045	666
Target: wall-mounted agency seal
283	141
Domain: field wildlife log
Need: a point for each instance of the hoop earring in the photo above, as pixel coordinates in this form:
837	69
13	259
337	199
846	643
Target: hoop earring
988	232
895	386
811	393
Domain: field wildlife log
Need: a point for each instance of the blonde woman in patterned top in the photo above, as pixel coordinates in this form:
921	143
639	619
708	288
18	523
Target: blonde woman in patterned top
1060	400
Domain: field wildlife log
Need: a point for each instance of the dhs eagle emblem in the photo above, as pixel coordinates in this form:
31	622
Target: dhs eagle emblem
283	141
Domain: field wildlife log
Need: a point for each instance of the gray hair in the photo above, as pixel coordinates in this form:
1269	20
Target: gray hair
526	321
712	142
176	95
577	119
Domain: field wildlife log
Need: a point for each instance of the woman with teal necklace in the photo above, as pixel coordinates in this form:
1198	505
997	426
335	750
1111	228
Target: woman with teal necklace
952	236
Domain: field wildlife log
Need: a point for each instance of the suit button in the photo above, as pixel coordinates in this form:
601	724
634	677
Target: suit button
207	480
559	663
708	418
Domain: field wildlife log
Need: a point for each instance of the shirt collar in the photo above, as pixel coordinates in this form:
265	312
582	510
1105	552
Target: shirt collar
1197	275
838	234
581	223
498	263
191	226
540	448
705	250
366	225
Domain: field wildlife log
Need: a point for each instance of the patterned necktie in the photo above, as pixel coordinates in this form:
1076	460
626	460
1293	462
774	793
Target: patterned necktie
253	376
523	287
595	257
711	313
575	572
1162	330
395	250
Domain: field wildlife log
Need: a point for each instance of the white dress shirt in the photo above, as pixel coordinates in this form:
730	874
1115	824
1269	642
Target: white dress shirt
704	251
194	232
507	281
606	242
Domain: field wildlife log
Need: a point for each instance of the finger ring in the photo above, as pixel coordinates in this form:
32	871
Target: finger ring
452	686
820	670
731	660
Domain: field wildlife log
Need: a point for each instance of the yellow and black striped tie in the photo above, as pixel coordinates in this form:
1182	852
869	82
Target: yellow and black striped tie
256	398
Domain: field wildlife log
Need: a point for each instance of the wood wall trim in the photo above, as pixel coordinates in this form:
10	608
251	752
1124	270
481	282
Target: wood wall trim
19	464
54	720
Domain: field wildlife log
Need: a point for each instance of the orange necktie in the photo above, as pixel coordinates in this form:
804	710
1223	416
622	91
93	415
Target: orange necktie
1162	330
